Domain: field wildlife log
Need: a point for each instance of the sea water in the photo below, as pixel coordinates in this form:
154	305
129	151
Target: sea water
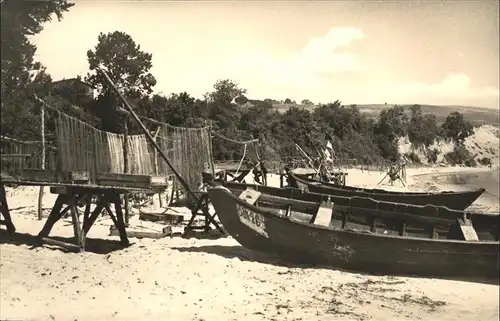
488	180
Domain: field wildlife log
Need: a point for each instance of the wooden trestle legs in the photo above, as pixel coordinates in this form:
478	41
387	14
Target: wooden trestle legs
75	197
202	206
4	209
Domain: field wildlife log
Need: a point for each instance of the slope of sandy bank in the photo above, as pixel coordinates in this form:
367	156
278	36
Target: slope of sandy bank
196	279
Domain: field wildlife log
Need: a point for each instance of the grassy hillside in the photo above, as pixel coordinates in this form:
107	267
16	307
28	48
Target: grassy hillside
476	115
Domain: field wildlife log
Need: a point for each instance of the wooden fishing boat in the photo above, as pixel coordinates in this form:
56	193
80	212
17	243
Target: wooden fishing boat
452	200
364	205
347	237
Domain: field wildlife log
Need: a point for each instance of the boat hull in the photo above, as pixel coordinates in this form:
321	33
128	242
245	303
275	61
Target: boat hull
304	243
451	200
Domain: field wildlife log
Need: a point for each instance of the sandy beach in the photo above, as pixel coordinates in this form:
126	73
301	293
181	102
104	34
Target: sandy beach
215	278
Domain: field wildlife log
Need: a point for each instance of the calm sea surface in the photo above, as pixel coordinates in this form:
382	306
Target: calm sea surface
488	180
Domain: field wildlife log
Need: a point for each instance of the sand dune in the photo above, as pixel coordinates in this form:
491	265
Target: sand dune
210	279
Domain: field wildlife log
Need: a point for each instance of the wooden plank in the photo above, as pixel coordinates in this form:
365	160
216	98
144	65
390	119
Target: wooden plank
38	175
467	229
131	180
250	196
50	176
166	231
161	217
158	180
128	184
15	155
323	216
121	177
61	190
66	245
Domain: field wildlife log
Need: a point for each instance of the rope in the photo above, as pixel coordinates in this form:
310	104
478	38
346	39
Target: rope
234	141
171	126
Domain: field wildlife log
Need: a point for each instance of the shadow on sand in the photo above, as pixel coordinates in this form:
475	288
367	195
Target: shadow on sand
97	246
244	254
212	234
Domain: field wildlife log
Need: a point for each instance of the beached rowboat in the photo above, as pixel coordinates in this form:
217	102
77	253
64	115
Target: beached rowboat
452	200
380	241
366	205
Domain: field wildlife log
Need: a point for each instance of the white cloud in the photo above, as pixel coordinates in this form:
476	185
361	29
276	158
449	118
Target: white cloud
303	69
454	89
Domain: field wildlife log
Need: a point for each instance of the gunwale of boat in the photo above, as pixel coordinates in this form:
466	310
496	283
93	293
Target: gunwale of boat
346	231
309	181
426	207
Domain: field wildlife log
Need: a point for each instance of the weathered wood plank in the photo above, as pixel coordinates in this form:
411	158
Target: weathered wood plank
131	180
161	217
49	176
66	245
15	155
467	229
166	231
323	216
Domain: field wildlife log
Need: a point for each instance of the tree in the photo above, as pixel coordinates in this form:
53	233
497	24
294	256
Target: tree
176	110
220	106
271	101
422	129
393	122
288	101
241	100
306	102
127	65
225	115
225	91
21	75
20	20
456	128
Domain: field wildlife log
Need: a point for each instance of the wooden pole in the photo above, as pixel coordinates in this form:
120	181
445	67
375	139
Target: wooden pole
155	137
42	165
210	147
126	168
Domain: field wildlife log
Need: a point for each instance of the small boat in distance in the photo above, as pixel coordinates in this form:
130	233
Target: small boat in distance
451	200
342	237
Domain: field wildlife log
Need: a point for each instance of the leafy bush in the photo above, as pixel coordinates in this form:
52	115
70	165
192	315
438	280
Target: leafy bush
470	162
432	156
456	128
460	155
485	161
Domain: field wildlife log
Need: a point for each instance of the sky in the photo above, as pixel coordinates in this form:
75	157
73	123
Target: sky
359	52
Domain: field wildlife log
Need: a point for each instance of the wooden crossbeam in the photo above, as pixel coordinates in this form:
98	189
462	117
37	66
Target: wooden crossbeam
15	155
